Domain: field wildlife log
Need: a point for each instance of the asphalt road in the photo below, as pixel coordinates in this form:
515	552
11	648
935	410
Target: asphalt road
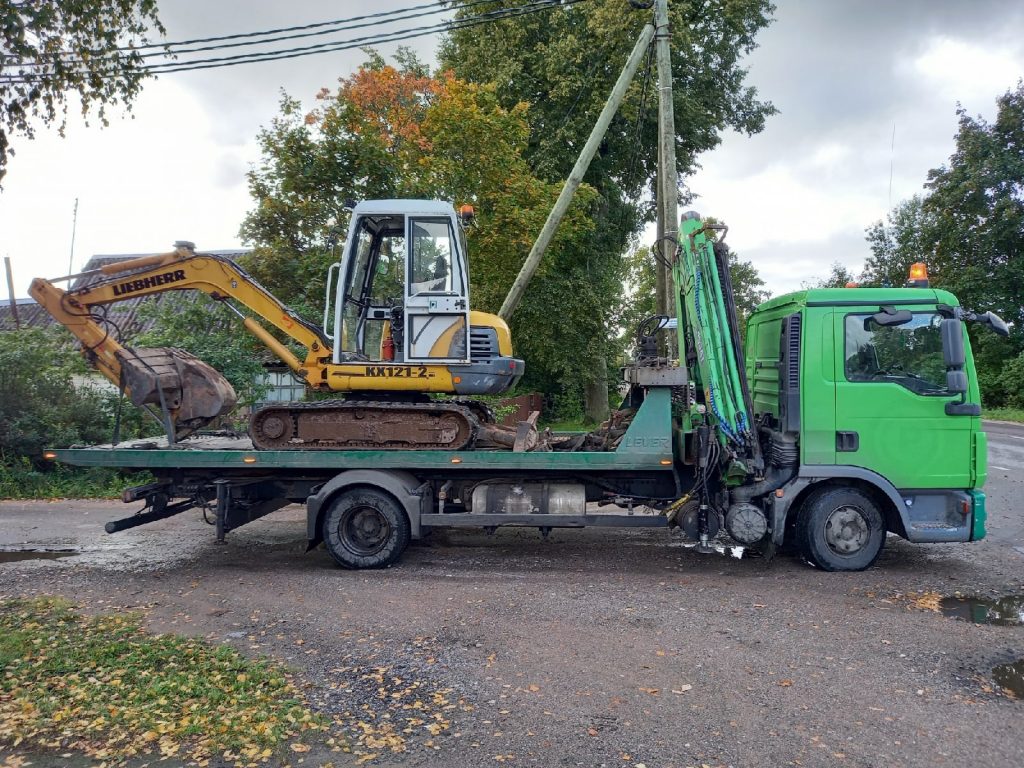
595	648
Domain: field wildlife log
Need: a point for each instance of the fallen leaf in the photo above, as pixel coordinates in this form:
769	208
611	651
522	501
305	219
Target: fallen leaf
785	683
592	731
682	689
534	688
652	691
297	747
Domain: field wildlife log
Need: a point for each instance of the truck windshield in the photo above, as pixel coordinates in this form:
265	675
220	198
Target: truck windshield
909	355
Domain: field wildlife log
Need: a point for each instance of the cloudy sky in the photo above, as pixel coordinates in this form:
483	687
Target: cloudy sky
796	197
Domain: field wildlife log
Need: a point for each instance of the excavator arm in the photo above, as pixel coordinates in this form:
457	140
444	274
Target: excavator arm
187	390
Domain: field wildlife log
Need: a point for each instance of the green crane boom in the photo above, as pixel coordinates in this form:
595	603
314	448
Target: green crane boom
709	338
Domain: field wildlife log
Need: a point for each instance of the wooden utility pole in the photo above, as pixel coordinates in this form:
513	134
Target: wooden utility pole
547	232
10	292
668	178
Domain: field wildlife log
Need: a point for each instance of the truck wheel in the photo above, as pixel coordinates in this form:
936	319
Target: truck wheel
840	529
365	528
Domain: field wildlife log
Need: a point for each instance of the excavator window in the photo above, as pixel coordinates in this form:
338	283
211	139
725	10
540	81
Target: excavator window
432	270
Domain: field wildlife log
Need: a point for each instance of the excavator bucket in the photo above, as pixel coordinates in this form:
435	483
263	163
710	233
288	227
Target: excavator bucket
193	392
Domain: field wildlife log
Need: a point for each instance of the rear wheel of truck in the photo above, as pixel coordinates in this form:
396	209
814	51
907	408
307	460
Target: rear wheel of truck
365	528
840	529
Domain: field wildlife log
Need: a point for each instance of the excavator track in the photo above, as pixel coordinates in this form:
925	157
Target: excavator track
358	424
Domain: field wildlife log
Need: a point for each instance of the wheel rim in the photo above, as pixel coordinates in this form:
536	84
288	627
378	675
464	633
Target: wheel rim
365	530
846	531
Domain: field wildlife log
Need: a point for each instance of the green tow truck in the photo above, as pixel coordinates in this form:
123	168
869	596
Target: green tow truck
850	414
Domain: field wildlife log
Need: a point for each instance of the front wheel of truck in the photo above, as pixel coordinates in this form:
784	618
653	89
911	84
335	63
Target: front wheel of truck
840	529
365	528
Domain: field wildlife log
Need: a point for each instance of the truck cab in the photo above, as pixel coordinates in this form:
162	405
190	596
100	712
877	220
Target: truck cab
880	387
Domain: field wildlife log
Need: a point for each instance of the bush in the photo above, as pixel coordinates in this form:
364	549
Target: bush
1011	381
19	479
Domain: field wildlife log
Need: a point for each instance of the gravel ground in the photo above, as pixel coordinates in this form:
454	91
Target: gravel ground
595	648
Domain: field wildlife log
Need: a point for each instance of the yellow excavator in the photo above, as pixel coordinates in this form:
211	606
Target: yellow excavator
399	329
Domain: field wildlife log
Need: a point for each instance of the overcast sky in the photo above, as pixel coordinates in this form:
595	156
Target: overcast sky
796	197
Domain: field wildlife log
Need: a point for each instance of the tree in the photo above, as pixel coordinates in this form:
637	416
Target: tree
563	62
969	229
40	404
52	49
897	244
400	132
838	276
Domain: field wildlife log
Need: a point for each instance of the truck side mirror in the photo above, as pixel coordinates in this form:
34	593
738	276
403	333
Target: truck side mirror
953	352
956	382
995	322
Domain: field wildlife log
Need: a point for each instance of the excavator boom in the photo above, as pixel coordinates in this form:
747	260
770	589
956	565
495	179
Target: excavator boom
185	388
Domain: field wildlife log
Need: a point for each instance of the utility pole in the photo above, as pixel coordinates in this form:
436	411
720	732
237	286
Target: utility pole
10	292
668	178
74	226
547	232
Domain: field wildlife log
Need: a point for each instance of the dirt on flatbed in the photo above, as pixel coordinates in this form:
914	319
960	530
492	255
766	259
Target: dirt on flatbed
594	648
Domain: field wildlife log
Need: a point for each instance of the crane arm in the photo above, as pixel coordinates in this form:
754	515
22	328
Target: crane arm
710	328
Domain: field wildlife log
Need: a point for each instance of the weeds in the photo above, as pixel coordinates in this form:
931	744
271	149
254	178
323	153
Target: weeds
20	480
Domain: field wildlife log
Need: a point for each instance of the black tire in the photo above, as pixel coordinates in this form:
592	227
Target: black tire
840	529
365	528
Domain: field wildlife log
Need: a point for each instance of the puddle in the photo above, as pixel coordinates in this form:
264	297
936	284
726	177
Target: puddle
1006	611
17	555
1011	677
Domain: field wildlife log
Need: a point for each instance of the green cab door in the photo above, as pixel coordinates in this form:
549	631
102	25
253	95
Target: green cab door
890	402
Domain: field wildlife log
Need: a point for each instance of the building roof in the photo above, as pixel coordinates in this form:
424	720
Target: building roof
124	314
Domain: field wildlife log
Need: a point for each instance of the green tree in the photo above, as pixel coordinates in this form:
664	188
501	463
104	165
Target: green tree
898	244
563	63
40	403
969	229
52	49
747	287
839	275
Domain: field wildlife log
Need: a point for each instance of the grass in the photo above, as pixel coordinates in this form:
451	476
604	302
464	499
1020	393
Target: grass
1003	414
569	426
22	481
104	686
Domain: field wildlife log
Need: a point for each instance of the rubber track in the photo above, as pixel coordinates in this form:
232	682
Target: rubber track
292	415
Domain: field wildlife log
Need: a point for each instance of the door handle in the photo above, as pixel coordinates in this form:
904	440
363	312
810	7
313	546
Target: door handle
847	442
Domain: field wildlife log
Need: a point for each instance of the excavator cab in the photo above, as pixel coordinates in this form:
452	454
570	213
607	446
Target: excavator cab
403	294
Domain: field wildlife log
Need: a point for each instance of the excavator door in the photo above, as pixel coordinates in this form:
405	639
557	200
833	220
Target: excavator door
437	292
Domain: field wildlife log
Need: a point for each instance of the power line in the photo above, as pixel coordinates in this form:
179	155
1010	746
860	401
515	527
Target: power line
321	28
328	47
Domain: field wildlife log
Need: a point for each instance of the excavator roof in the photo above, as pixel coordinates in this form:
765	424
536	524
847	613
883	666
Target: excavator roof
428	207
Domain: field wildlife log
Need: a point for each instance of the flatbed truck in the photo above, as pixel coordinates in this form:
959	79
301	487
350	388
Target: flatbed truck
848	415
